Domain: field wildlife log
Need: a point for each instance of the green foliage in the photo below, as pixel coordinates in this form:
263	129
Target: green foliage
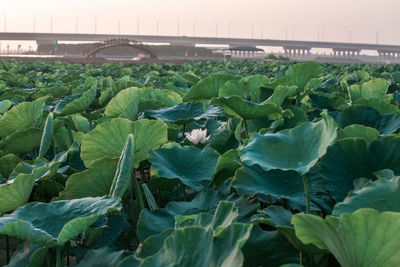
95	166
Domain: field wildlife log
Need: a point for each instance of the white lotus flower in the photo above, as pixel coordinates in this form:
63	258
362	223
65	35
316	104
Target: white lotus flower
198	136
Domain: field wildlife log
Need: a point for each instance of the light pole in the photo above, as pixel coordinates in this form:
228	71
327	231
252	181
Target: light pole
51	22
286	31
34	23
216	28
177	25
76	24
95	24
137	25
252	30
229	29
119	25
158	22
377	36
5	21
293	31
194	27
323	34
262	31
318	33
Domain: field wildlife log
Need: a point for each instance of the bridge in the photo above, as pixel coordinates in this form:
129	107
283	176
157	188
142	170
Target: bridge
142	48
291	48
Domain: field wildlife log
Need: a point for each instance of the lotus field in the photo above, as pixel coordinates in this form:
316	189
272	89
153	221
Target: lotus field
201	164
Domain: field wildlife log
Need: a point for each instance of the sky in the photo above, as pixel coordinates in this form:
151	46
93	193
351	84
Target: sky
364	21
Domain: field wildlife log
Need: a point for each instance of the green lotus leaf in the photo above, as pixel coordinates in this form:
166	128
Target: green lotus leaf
151	98
123	175
192	166
268	248
246	110
55	223
301	73
108	139
356	130
28	255
326	101
233	87
125	104
280	218
76	103
184	113
226	166
80	123
253	180
208	87
94	182
363	238
22	141
280	93
248	88
104	256
148	135
47	136
385	123
16	193
5	105
196	246
21	117
153	223
379	104
370	89
294	149
41	168
337	166
381	195
7	164
153	244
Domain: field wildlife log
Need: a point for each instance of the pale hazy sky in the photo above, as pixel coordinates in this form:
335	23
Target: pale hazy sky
335	18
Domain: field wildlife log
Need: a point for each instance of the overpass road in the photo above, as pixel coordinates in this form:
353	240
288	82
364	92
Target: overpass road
290	47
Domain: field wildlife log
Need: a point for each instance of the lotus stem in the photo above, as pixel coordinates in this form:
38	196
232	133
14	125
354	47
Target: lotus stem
139	195
306	193
59	262
8	249
246	130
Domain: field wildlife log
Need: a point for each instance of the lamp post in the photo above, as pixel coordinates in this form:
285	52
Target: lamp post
229	29
51	22
194	27
5	21
158	22
95	24
252	30
177	25
34	23
119	25
377	36
76	24
262	31
216	28
137	25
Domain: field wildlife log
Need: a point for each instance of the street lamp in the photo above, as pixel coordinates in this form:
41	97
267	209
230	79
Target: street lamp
5	21
119	25
76	24
252	30
216	28
194	27
137	25
229	29
158	22
51	22
95	24
34	22
377	36
262	31
293	31
177	24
